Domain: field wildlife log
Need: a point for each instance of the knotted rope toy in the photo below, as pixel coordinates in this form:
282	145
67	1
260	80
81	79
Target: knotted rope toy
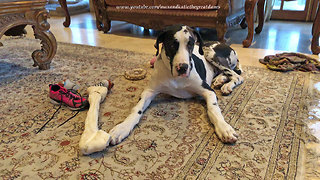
135	74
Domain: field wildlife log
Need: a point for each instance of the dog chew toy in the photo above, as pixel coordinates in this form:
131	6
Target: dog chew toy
69	85
92	139
135	74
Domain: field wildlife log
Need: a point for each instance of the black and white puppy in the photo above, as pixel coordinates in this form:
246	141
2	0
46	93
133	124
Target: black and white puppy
184	69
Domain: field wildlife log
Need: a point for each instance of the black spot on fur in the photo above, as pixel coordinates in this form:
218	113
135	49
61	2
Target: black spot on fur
167	38
214	104
223	50
237	70
191	65
190	44
140	112
206	86
227	72
200	68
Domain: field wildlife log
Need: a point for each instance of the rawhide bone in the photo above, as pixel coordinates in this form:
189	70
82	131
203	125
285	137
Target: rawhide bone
92	139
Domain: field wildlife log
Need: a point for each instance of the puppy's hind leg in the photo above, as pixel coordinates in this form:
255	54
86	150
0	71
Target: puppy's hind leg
122	130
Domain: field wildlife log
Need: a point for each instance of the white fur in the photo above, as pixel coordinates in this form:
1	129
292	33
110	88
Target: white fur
182	55
162	81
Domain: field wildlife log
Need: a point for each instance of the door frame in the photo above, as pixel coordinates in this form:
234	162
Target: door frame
307	15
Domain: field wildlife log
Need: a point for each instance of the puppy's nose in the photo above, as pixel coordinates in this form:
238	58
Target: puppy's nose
182	68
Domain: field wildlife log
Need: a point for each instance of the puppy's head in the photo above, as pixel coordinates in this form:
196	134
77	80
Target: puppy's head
178	42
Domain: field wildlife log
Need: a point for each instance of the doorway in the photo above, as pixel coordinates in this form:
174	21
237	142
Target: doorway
299	10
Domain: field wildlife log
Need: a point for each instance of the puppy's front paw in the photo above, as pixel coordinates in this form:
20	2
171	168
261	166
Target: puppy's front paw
226	133
226	89
119	132
219	81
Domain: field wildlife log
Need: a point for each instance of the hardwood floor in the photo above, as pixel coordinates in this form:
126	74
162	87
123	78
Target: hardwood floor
276	36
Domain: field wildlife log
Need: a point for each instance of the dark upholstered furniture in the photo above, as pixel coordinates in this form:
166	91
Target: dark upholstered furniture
15	14
156	14
315	48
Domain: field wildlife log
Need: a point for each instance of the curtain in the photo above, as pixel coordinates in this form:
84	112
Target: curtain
268	9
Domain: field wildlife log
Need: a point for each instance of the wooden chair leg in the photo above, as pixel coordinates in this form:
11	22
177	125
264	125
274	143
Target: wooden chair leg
260	10
64	6
221	31
315	48
249	10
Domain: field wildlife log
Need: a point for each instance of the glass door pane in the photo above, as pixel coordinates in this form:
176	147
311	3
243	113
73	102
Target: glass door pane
297	10
277	5
296	5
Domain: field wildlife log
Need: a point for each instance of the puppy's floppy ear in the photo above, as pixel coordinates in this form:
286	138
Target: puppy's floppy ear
200	41
159	40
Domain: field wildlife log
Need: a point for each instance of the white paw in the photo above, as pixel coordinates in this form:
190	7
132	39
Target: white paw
226	133
226	89
119	132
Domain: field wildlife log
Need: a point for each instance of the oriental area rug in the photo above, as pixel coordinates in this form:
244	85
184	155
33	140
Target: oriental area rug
174	139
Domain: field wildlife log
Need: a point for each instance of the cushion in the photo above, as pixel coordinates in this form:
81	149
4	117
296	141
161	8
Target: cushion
188	3
6	1
172	4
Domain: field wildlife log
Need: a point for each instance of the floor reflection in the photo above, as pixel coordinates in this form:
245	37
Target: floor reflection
277	35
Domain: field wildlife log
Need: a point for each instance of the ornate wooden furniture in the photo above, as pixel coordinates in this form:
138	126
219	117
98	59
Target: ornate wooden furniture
63	4
249	9
315	48
15	13
156	14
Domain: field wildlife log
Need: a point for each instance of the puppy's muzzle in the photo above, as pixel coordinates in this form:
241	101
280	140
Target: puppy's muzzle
182	68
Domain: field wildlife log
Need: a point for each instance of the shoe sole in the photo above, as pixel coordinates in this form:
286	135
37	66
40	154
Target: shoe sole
55	102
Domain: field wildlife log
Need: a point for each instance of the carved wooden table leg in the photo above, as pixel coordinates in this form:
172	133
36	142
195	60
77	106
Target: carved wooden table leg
260	6
315	48
64	6
102	21
43	57
249	10
14	14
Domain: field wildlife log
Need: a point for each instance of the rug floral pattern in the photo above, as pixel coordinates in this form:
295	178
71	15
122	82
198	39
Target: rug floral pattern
174	139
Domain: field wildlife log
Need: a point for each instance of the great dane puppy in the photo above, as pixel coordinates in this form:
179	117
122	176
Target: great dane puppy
184	69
